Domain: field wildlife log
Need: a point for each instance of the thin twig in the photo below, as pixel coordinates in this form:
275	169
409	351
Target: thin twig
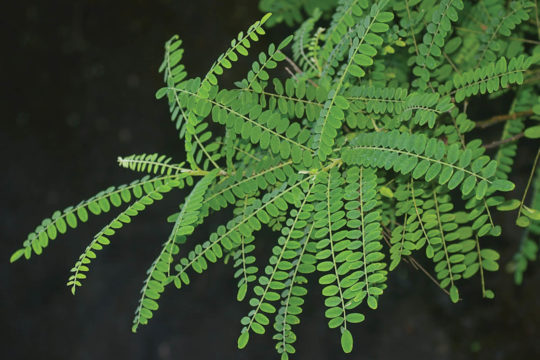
528	183
290	73
504	141
451	63
296	68
417	264
293	64
500	118
412	261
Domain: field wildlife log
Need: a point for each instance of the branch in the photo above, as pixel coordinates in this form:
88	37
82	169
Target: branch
528	183
504	141
408	259
292	63
296	68
500	118
290	73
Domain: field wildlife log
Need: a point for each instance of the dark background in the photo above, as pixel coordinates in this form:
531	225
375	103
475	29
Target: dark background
78	84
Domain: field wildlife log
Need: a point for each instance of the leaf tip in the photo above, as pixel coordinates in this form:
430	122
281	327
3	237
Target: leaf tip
346	341
243	339
16	256
265	17
454	294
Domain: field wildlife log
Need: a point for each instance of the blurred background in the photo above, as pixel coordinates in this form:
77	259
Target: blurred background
79	79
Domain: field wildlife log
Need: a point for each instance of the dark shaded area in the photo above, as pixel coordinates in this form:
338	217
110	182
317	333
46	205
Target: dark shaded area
78	90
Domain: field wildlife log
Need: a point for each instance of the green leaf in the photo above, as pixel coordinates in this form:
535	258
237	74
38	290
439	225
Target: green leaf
489	254
150	304
355	318
257	328
161	92
533	214
356	70
241	292
243	339
468	185
532	132
490	265
341	102
454	294
509	205
523	221
16	255
386	191
346	341
372	302
502	185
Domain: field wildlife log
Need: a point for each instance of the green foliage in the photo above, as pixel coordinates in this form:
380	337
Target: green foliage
365	157
490	78
528	217
501	23
153	193
291	11
61	221
184	224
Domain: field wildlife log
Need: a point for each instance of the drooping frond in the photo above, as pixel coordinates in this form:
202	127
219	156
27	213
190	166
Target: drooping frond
292	297
275	275
410	235
364	216
229	236
184	225
153	192
244	262
348	248
101	203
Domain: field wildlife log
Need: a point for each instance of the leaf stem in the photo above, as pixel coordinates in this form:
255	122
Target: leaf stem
528	183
